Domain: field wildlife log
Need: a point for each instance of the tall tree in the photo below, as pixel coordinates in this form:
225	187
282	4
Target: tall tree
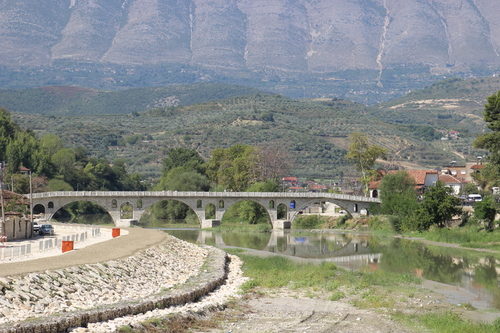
440	203
397	194
51	144
21	151
486	210
273	161
189	159
364	155
234	168
491	140
7	132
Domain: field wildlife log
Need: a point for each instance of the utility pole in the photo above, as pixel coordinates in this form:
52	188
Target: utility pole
2	225
31	203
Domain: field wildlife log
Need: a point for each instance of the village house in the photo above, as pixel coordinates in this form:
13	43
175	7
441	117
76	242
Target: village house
452	182
423	179
290	181
451	176
463	172
16	224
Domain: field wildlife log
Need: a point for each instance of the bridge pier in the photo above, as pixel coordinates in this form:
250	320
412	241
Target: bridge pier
210	224
281	224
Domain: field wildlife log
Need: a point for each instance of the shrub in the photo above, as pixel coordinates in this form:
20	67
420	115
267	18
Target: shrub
307	222
380	223
395	222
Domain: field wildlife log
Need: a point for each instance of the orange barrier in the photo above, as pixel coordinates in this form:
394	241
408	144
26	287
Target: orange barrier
67	246
115	232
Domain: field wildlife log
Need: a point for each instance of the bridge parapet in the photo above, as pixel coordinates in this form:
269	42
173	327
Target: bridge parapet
202	194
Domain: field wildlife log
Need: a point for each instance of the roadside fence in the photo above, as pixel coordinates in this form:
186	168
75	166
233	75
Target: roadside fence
25	248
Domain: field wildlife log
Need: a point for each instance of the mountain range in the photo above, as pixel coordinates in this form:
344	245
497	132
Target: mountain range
314	36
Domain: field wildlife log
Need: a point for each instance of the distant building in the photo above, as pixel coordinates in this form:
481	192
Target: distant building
289	182
423	179
15	225
453	182
462	172
296	189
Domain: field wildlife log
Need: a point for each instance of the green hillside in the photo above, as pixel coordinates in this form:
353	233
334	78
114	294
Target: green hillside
314	132
76	101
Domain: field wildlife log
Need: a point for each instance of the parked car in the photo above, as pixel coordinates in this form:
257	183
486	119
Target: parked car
36	226
46	229
475	197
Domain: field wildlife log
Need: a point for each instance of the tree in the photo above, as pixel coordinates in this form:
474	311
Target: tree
397	194
440	204
364	155
21	152
486	211
51	144
183	170
234	168
59	185
273	161
64	161
189	159
7	132
491	141
469	188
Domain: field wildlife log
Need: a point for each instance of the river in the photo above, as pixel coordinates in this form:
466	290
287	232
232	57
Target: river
475	271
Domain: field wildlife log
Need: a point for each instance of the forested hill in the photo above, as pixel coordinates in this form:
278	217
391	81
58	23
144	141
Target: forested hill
77	101
314	132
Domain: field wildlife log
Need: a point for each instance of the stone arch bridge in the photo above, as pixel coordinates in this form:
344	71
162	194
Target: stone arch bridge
140	201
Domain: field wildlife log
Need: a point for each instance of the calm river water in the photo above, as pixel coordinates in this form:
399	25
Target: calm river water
475	271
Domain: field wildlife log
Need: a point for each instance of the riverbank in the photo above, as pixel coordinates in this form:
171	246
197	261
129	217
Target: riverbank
152	260
132	274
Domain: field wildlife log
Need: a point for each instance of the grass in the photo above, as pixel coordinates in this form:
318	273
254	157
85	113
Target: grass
367	290
279	272
172	324
474	237
447	322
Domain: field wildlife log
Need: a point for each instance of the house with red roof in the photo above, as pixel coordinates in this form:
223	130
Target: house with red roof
453	182
423	179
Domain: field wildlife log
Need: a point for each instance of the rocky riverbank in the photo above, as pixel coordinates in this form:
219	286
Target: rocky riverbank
172	273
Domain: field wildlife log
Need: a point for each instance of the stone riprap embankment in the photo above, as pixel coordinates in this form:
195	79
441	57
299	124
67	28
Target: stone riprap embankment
216	300
75	296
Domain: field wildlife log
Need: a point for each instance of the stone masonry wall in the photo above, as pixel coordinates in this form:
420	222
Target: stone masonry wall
57	300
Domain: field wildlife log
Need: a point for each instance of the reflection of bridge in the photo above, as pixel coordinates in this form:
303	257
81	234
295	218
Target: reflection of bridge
114	201
330	248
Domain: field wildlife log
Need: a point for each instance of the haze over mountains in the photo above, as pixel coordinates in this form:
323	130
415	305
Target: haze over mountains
313	36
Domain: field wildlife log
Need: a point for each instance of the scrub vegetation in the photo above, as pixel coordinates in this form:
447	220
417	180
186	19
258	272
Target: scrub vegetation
381	291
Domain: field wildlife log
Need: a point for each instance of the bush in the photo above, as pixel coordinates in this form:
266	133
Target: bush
382	223
395	222
307	222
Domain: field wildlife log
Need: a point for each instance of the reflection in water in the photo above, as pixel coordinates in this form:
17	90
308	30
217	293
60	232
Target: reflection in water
369	253
451	266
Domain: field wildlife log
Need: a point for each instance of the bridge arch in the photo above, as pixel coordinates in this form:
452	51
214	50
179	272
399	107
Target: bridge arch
52	207
147	204
260	203
210	211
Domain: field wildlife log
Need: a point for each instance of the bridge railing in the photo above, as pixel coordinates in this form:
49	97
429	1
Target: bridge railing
182	194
